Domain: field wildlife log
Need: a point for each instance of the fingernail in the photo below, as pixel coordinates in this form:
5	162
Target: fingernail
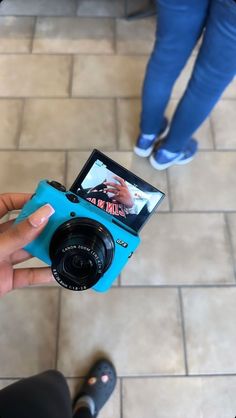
41	215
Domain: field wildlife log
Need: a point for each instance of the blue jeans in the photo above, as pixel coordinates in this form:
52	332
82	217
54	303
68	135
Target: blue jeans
180	23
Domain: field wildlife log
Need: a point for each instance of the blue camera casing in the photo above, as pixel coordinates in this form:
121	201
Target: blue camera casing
125	239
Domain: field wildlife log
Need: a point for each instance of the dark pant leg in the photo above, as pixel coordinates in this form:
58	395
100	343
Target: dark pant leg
83	413
179	26
214	70
43	396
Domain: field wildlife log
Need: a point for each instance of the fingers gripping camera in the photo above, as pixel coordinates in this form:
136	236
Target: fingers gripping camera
83	245
94	230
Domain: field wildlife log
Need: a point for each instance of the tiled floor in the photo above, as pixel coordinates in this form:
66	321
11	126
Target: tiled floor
70	79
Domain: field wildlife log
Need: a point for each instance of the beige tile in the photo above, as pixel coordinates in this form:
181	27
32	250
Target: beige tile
16	34
40	76
181	84
100	8
114	8
68	123
10	116
180	397
110	410
115	76
135	37
76	161
183	79
210	330
129	118
198	46
224	124
203	134
232	226
138	166
207	183
230	92
181	249
74	35
20	171
6	382
128	122
27	343
118	323
35	7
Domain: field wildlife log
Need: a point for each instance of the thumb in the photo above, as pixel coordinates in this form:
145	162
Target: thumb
26	231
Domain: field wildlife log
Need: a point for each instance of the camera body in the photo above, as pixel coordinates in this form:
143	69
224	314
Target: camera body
71	209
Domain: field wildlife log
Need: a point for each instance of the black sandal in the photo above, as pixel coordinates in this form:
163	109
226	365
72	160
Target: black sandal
99	384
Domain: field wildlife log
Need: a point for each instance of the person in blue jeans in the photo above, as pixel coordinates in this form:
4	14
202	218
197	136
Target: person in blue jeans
180	24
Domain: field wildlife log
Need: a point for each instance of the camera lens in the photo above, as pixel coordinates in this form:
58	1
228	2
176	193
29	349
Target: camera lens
79	266
81	251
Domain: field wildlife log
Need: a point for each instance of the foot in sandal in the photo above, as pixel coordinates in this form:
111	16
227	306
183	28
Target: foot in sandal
96	390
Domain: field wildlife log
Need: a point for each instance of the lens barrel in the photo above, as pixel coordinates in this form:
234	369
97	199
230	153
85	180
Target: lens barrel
81	251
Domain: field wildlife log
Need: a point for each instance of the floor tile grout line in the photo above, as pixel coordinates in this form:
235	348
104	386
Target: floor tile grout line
65	53
115	36
229	236
233	151
33	35
117	125
118	16
20	126
66	168
36	15
121	398
119	281
179	286
183	332
77	8
45	150
144	377
212	129
86	54
157	376
157	287
176	376
58	328
169	191
71	76
99	97
95	17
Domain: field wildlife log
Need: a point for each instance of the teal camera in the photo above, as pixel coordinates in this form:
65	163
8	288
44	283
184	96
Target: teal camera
95	228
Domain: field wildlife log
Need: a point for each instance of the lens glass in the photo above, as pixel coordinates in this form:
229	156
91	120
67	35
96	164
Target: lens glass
81	251
79	265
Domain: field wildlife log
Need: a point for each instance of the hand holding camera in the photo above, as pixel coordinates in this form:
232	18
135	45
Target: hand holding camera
14	237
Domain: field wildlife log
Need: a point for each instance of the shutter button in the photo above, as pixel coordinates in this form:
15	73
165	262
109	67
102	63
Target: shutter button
57	186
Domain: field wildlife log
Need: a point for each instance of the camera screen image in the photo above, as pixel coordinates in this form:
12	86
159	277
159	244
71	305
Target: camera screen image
117	191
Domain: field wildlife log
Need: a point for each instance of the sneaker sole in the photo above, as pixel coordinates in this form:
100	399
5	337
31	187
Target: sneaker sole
143	153
186	161
146	153
160	167
178	161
